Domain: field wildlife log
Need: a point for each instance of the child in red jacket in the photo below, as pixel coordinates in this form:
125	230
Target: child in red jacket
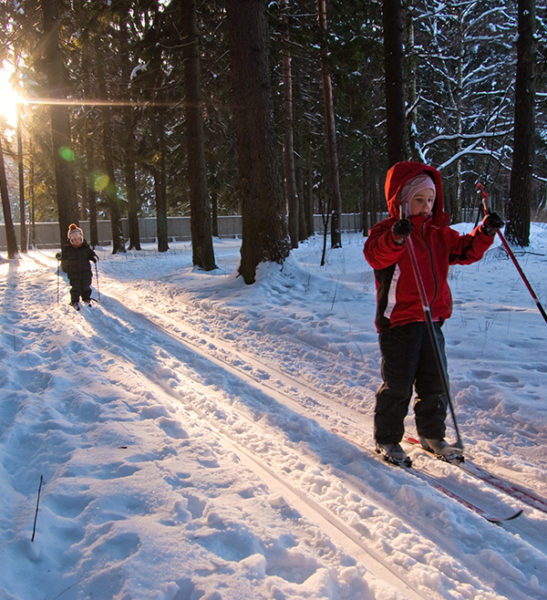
414	195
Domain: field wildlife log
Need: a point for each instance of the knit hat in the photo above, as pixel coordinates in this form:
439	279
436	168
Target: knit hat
418	183
74	230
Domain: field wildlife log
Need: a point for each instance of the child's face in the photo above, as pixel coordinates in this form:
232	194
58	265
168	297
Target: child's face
76	240
422	203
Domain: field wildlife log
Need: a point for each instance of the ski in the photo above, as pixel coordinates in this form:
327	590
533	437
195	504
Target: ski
512	489
497	519
508	487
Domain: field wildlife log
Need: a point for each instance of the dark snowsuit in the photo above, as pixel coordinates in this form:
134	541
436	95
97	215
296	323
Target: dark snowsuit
75	263
407	355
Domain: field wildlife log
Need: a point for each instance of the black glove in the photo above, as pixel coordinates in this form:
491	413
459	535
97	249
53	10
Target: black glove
491	223
401	230
58	256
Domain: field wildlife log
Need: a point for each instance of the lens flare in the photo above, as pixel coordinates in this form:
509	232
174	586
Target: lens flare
67	154
100	182
8	96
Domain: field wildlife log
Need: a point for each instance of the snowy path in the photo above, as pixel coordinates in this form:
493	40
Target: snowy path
190	441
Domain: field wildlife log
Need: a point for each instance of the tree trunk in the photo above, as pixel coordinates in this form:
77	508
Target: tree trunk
264	228
411	66
130	180
21	171
53	67
203	255
158	170
9	228
302	212
288	151
393	64
366	204
90	187
335	200
90	193
129	148
457	101
309	204
32	196
518	214
214	213
111	190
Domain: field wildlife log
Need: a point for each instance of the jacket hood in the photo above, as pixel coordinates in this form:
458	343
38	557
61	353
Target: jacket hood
396	178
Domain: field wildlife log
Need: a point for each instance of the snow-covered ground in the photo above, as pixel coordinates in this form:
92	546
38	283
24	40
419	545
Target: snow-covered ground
196	438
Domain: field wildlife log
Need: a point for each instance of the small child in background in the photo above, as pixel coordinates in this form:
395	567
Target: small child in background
414	195
75	257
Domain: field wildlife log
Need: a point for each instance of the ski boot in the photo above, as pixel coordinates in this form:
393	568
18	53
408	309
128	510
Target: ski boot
394	454
443	450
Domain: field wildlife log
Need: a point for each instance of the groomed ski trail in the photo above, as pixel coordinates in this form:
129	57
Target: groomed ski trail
264	426
271	401
304	400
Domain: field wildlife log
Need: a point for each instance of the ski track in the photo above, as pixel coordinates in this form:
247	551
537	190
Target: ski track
310	392
292	392
270	416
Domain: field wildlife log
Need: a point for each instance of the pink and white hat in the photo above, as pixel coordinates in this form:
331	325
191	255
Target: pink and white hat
418	183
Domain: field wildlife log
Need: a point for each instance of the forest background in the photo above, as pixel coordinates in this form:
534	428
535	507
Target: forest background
272	110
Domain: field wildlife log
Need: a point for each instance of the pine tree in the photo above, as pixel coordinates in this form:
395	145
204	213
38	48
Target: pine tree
263	215
518	215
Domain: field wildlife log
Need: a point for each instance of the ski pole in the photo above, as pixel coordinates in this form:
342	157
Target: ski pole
58	263
512	256
433	337
97	277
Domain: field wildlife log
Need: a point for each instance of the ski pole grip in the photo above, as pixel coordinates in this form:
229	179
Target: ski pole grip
484	195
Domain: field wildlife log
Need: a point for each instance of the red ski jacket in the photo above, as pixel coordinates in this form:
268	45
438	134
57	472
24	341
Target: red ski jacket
436	246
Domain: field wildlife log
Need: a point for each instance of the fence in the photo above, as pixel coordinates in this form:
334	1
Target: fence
46	235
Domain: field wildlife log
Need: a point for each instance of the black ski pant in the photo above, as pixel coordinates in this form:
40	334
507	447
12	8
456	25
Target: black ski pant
80	287
408	361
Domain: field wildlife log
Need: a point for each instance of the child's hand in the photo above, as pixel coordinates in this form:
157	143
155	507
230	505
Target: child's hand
401	230
491	223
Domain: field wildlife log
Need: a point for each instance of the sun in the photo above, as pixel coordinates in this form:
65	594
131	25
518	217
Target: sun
8	97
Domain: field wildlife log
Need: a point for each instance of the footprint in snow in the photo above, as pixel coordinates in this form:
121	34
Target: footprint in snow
233	544
173	429
68	506
118	547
